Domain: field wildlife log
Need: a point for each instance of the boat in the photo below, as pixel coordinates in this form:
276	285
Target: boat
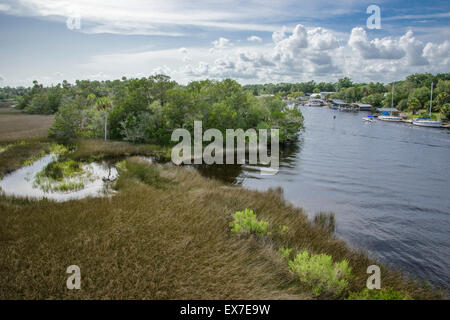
426	121
314	103
368	119
387	114
388	117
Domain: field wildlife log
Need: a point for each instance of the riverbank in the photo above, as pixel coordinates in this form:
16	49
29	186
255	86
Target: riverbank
166	234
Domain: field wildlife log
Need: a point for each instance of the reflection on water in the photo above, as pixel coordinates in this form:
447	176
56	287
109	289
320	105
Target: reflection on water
20	182
388	184
237	173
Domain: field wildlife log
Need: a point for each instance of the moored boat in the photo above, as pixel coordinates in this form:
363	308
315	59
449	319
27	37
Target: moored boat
427	121
389	118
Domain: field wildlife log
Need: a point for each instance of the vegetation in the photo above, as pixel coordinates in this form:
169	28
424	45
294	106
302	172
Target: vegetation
246	222
387	293
320	273
62	176
16	126
18	154
285	252
325	221
149	109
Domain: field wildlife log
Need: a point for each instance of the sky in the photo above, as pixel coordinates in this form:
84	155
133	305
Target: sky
256	41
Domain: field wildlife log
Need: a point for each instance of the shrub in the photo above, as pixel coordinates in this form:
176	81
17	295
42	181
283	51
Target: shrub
246	222
320	273
285	252
387	293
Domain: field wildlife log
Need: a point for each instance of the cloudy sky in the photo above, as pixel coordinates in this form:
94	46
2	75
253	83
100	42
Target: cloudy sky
256	41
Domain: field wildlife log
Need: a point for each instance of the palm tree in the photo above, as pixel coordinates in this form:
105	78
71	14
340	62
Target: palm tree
104	103
414	105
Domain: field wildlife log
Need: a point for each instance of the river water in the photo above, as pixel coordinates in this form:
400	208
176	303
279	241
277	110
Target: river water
387	183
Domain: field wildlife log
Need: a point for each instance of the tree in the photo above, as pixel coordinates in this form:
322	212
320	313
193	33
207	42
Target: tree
376	99
442	99
104	103
344	83
414	105
445	111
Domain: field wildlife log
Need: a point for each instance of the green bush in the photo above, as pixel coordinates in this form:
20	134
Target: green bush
246	222
285	252
387	293
320	273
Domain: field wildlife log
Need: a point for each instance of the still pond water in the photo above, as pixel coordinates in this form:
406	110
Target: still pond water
387	183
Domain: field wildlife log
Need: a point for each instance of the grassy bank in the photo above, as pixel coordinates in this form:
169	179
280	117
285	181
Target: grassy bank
17	154
166	235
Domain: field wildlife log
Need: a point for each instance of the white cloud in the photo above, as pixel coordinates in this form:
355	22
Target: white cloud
322	39
254	39
386	48
2	78
221	43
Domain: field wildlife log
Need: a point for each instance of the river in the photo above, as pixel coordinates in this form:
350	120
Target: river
387	183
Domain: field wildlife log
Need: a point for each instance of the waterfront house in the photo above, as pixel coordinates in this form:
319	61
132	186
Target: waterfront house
337	103
363	106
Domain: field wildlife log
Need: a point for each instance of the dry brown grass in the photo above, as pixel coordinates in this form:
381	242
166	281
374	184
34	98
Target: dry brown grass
166	241
15	125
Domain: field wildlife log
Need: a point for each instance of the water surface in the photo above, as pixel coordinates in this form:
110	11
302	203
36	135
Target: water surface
21	182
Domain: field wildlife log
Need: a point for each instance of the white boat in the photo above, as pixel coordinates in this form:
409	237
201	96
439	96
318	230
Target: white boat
388	114
390	118
427	122
368	119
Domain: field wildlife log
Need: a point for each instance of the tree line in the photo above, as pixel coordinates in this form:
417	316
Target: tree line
149	109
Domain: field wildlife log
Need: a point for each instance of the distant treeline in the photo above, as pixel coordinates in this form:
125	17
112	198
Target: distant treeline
411	94
149	109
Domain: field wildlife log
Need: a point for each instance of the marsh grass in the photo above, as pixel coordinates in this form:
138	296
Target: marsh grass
170	242
15	125
22	153
89	150
326	221
63	176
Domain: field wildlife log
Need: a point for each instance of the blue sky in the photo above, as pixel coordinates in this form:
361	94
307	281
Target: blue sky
250	41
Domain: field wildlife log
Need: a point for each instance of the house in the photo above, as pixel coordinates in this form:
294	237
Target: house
338	103
363	106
